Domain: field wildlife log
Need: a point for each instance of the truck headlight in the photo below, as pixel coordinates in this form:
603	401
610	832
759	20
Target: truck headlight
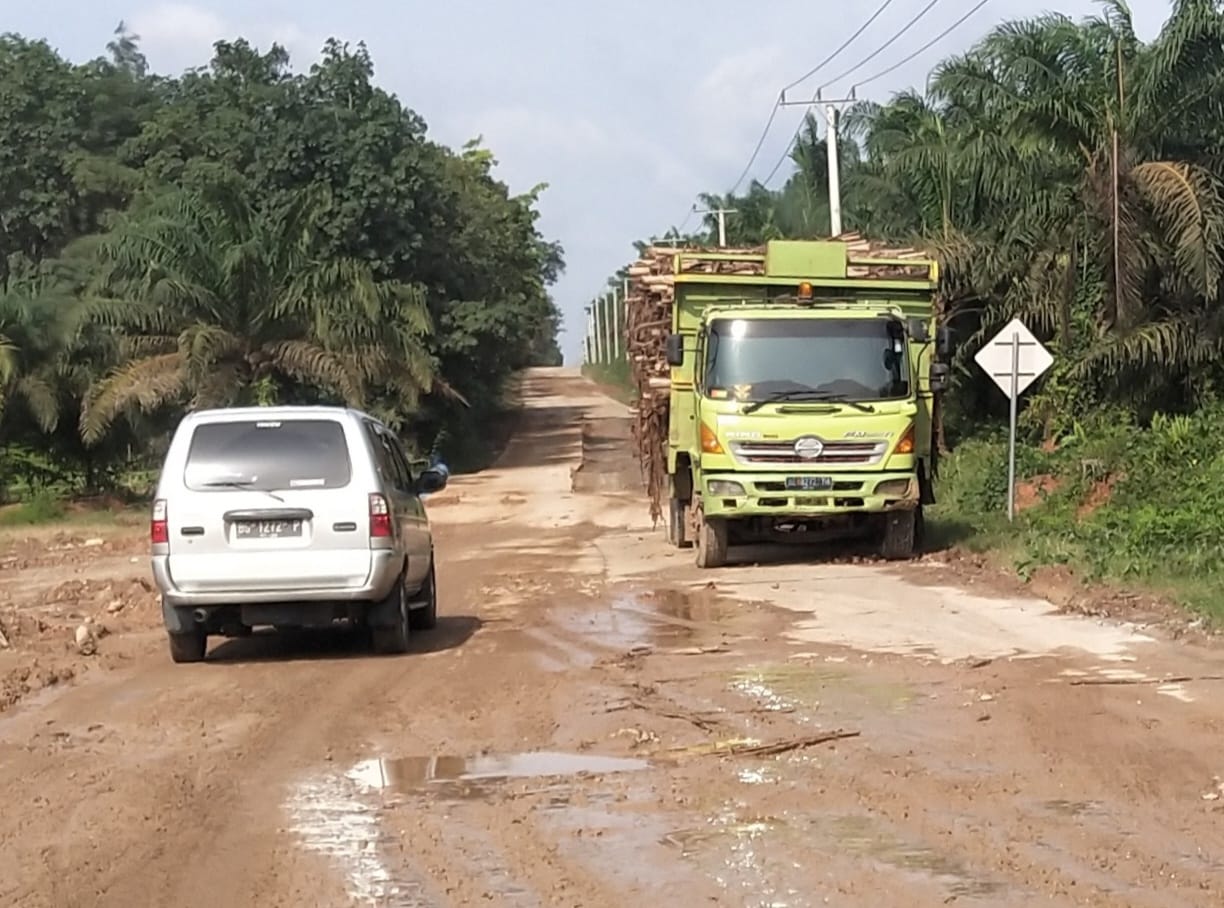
893	488
725	488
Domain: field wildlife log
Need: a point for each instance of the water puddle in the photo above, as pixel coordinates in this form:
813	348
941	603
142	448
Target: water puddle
742	857
330	817
744	846
340	815
474	776
800	688
863	837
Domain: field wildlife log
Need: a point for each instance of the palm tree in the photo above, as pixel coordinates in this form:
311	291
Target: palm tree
1107	156
38	332
223	304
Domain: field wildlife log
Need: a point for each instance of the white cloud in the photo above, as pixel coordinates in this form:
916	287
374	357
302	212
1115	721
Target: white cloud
177	36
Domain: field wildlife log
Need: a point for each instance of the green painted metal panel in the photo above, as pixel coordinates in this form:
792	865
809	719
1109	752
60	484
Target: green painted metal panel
805	260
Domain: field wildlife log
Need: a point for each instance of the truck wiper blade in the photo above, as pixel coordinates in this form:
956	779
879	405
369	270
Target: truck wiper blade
807	394
843	399
793	394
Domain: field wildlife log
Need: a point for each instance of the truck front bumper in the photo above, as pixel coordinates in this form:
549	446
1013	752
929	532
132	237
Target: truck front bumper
733	495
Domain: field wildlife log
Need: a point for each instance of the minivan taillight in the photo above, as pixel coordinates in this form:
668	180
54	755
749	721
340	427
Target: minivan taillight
380	517
159	530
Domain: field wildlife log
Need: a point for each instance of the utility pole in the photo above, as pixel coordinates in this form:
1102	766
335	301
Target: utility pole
831	121
835	220
615	326
609	326
624	309
598	332
721	214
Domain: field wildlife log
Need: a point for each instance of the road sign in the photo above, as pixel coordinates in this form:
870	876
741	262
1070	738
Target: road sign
1014	348
1014	359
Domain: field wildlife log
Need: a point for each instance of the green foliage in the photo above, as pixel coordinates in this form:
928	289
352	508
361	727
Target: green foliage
1124	502
1065	172
245	234
41	507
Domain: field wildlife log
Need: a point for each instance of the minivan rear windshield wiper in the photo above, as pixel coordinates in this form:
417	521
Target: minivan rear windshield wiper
807	394
238	484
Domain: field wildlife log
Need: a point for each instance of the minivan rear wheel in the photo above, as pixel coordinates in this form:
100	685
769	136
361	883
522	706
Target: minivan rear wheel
425	617
392	640
188	647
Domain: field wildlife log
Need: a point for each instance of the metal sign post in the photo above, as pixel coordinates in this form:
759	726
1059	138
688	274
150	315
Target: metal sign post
1014	359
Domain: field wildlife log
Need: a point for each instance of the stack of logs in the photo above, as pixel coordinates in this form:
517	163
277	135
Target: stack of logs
648	322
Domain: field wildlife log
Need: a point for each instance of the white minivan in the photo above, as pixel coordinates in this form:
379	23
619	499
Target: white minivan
291	517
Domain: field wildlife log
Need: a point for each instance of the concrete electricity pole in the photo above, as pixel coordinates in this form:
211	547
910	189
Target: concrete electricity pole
721	214
831	120
609	304
835	219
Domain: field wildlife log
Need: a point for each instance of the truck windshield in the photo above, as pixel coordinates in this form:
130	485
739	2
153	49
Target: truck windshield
851	359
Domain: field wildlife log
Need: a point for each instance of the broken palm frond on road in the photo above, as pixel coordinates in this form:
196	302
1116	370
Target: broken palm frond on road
648	322
750	747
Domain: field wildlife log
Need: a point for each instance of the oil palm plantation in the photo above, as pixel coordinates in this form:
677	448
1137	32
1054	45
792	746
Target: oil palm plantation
1070	172
222	304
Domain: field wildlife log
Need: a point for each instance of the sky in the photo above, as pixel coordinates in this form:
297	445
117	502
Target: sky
627	110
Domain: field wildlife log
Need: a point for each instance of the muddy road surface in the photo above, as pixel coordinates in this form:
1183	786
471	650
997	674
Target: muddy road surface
595	722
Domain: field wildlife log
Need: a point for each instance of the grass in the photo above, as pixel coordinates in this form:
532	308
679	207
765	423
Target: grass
614	379
1113	502
42	507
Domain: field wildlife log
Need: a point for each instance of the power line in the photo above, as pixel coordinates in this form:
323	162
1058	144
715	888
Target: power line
788	150
943	34
829	59
883	47
773	113
760	142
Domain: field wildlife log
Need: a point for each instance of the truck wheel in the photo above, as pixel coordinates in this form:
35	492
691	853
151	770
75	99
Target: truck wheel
900	530
425	617
675	524
711	543
188	647
393	640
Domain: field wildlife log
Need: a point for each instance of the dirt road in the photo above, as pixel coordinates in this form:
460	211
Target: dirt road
569	734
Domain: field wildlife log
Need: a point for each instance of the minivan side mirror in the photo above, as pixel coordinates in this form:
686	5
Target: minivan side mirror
675	350
918	331
944	341
432	480
939	377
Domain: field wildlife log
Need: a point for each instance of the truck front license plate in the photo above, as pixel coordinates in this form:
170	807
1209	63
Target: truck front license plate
809	483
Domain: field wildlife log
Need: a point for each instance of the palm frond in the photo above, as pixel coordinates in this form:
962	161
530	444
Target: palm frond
1189	206
143	384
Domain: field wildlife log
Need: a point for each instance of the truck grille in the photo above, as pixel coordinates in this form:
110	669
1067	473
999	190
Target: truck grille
849	453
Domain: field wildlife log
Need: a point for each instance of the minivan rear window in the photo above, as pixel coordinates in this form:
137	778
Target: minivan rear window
268	455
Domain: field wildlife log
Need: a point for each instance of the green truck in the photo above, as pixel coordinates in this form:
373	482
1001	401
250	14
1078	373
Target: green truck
787	393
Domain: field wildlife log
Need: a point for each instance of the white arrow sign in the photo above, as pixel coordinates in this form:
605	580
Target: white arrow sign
1014	348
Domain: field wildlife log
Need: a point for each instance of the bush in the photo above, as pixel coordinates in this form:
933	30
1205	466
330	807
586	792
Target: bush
40	507
1121	501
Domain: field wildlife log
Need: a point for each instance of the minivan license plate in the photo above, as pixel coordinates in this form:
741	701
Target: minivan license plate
809	483
267	529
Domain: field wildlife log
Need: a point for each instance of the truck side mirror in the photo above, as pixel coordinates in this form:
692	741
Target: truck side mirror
675	350
918	331
944	341
939	377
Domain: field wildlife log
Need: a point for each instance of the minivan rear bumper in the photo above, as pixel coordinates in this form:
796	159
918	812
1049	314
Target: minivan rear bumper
386	566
